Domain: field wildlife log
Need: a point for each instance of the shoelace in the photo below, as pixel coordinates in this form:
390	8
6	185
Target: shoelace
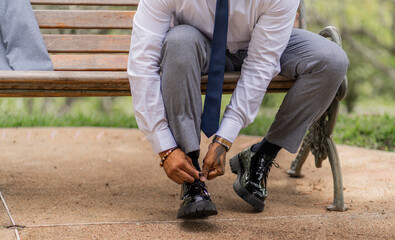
267	166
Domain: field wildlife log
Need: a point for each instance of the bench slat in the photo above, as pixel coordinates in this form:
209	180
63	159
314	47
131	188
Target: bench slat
73	84
93	62
62	93
71	43
79	19
86	2
106	85
79	93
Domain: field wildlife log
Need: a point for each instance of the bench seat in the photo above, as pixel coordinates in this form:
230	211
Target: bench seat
94	83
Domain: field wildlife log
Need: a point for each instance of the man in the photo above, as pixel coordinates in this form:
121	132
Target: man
21	44
171	48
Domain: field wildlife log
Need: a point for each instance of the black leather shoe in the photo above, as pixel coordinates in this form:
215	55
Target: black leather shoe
196	202
252	172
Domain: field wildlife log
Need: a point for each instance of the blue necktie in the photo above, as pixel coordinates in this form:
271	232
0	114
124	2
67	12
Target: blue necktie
212	103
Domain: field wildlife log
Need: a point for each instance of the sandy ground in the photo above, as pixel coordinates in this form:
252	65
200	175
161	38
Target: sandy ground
101	183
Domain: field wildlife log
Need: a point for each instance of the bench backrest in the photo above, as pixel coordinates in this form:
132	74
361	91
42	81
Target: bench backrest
90	60
74	49
73	32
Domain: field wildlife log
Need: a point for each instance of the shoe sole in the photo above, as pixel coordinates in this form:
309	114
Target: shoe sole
240	190
199	209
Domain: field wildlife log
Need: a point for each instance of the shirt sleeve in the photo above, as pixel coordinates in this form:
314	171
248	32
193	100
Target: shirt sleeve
268	41
150	25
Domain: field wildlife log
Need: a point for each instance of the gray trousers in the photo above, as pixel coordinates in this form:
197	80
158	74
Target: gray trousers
317	64
21	44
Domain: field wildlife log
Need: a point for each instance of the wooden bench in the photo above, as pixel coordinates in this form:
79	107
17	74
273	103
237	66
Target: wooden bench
88	64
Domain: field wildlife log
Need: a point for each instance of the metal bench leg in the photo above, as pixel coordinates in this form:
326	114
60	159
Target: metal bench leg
297	163
338	199
319	139
320	143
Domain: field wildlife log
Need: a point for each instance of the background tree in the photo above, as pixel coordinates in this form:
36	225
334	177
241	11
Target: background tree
368	31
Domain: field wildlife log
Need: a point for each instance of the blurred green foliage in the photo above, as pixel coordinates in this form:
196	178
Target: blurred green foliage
368	31
371	131
39	112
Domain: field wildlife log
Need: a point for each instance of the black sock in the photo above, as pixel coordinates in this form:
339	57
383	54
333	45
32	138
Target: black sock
195	159
265	147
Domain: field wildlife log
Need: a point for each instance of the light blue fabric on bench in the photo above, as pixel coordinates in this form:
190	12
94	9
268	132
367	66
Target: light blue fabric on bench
21	44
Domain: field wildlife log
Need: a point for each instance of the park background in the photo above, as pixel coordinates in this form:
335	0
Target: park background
367	115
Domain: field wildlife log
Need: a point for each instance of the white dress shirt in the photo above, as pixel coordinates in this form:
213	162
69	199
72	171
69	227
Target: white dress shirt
261	26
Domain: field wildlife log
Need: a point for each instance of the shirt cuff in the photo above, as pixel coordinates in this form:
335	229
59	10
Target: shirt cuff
162	140
229	129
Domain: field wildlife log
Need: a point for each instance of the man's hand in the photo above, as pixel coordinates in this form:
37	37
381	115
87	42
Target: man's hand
179	168
214	162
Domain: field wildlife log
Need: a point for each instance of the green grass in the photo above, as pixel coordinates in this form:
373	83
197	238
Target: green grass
95	120
375	131
369	131
260	126
52	112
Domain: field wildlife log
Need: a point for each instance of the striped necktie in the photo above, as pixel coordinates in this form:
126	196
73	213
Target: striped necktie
212	103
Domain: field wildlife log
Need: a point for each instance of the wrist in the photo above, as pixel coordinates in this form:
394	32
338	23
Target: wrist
165	154
225	143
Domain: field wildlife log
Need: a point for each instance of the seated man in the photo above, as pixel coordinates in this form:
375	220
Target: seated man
173	44
21	44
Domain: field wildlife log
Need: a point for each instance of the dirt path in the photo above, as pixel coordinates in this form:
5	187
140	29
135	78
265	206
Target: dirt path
101	183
